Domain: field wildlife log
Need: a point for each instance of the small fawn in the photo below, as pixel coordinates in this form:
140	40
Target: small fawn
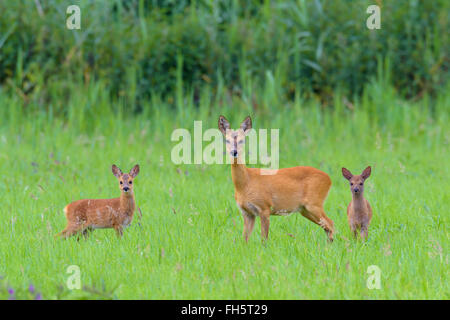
289	190
88	214
359	212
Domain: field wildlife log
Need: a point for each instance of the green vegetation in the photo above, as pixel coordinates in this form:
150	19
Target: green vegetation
188	243
74	102
137	47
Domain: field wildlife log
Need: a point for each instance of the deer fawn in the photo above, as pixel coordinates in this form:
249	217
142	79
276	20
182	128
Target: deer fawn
88	214
289	190
359	212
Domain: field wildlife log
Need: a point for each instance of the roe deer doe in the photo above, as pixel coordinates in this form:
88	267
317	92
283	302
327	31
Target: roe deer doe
289	190
88	214
359	212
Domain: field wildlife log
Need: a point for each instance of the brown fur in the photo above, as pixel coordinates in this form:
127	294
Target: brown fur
297	189
88	214
359	212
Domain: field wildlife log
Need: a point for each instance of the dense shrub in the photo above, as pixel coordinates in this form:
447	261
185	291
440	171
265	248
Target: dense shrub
139	47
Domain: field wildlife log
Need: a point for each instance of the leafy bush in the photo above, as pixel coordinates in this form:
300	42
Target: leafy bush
139	48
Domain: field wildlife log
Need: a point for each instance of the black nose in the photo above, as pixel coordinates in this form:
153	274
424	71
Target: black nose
126	188
234	153
356	189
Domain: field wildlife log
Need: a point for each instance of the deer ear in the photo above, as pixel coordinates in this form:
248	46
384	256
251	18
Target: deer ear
134	172
224	125
116	171
346	173
366	173
246	125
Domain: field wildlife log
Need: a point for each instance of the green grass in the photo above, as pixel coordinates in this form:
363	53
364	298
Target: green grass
189	244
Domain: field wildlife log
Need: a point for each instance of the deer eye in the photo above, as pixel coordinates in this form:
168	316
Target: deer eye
130	182
351	183
227	141
360	184
241	142
121	182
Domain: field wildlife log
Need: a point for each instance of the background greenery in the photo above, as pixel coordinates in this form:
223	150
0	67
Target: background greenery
139	47
74	102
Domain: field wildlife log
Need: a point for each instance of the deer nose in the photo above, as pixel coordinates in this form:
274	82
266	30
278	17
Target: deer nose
356	189
126	189
234	153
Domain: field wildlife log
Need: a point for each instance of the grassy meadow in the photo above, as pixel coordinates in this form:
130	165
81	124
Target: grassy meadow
188	243
73	102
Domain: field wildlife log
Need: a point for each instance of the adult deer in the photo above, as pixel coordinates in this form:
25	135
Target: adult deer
259	193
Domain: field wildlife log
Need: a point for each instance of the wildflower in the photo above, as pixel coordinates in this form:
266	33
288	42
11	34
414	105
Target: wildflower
11	294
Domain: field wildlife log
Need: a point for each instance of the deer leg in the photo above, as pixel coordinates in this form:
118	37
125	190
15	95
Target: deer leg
71	230
249	223
354	229
62	234
82	231
265	223
364	233
119	231
87	232
317	215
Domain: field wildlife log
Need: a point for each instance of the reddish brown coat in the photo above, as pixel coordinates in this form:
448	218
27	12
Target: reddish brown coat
88	214
359	212
289	190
